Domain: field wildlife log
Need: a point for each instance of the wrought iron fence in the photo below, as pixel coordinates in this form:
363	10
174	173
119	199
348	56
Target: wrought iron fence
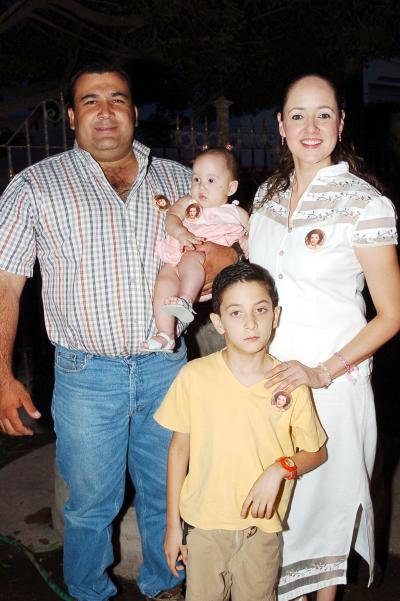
41	134
45	132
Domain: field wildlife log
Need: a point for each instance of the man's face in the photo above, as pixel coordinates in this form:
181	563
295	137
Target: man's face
103	116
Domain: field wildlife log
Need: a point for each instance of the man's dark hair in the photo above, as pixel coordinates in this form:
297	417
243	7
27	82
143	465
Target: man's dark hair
99	66
242	272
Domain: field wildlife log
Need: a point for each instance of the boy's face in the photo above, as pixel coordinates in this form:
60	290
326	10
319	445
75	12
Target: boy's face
247	317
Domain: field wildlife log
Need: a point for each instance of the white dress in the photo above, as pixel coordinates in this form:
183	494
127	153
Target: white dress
319	281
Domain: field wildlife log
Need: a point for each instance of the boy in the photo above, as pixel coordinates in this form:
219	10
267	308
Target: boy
242	449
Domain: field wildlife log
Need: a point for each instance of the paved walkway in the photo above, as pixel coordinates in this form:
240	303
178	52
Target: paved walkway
27	498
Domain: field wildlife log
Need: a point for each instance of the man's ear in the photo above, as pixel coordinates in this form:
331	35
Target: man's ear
277	314
216	321
71	117
233	186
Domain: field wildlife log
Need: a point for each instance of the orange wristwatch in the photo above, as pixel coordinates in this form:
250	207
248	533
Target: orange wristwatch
289	465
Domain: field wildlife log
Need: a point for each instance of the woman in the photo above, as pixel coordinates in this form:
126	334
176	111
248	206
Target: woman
323	336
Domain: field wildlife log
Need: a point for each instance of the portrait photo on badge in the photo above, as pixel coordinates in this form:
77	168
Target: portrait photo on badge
161	202
315	239
281	400
193	211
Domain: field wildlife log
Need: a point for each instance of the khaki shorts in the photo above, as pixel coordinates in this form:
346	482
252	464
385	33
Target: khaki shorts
240	563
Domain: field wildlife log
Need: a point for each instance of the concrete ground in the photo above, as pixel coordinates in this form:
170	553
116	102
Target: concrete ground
27	496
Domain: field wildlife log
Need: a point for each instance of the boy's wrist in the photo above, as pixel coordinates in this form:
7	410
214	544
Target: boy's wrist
276	469
174	525
288	467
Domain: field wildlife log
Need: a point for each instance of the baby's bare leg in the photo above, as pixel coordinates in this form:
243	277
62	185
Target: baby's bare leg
167	284
191	275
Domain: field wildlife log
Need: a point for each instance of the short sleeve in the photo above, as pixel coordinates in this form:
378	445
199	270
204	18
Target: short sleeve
17	233
173	412
260	195
307	432
376	224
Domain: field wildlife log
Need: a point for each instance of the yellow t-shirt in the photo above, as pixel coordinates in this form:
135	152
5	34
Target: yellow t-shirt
236	432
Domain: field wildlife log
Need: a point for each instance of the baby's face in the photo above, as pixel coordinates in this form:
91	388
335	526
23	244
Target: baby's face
212	181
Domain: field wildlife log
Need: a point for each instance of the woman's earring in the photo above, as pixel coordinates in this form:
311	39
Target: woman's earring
340	136
283	140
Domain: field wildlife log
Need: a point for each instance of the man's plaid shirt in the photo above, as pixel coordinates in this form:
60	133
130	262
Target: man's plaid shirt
96	252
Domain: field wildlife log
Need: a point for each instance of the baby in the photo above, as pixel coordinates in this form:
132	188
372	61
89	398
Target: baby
205	215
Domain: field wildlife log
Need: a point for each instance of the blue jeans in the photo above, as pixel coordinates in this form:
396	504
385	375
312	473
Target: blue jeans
103	414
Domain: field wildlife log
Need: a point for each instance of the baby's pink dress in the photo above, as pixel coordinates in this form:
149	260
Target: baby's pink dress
216	224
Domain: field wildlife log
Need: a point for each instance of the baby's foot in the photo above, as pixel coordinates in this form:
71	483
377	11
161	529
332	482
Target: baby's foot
159	343
176	300
180	308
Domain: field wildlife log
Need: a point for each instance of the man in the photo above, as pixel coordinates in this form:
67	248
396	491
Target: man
89	216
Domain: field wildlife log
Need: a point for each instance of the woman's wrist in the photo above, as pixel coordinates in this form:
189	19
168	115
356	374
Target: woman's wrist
346	364
334	367
326	375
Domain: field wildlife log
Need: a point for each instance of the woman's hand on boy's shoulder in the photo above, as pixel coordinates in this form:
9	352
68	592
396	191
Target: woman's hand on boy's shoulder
262	496
175	551
289	375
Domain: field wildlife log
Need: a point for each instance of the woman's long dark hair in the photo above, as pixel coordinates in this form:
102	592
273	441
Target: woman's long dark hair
280	180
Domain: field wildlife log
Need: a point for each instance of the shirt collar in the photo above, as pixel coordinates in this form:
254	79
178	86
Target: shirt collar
331	170
140	151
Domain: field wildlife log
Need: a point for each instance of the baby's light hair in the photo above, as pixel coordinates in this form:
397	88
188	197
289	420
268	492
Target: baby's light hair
230	159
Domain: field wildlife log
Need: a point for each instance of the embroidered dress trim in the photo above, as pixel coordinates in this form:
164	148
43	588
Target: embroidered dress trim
301	577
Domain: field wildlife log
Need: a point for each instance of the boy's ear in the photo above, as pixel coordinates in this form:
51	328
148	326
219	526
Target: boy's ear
277	314
216	321
233	186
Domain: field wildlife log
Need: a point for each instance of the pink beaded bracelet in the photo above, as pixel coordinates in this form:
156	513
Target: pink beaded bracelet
347	366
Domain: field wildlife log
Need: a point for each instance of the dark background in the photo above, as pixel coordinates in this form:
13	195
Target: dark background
181	56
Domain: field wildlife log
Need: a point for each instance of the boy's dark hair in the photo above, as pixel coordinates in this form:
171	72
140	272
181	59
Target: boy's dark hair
99	66
242	272
230	159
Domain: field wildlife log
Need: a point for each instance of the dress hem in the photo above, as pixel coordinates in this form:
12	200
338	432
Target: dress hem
311	587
